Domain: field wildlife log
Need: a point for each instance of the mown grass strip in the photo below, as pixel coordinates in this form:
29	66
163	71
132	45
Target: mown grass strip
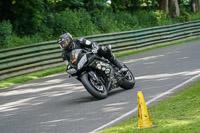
154	47
178	114
27	77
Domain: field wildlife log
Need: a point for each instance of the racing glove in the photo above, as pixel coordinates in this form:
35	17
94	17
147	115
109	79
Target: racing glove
95	47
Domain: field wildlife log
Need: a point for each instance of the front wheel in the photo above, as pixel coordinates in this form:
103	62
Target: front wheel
97	90
128	82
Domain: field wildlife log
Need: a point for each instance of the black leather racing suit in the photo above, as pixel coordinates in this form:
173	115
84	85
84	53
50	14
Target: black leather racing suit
82	43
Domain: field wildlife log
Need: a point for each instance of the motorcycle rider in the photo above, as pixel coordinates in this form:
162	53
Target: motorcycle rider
67	43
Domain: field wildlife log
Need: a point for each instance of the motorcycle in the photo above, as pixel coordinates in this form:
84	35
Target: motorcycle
97	74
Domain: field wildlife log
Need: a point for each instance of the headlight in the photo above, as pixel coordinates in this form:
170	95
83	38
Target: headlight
82	61
71	71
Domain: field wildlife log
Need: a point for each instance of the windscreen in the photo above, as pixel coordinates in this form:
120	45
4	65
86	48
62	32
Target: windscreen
74	56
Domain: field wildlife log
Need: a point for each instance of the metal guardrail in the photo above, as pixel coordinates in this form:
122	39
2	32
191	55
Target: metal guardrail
26	59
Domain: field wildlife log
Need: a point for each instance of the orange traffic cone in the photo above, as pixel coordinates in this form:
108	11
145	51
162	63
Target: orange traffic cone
143	115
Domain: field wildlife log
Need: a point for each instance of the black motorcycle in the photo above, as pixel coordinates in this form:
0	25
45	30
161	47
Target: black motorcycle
97	74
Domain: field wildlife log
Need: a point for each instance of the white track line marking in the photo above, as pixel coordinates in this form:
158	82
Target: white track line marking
147	103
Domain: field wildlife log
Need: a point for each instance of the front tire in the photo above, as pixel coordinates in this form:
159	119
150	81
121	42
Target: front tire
99	92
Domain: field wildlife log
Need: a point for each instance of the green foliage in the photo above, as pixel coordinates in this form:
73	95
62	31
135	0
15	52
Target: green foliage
147	18
195	16
105	24
184	15
126	21
46	28
149	3
130	5
53	1
97	9
5	33
85	24
61	5
18	41
163	18
65	21
161	15
42	20
115	22
26	16
184	2
77	22
95	5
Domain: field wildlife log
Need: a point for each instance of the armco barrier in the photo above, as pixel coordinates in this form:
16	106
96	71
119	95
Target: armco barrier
26	59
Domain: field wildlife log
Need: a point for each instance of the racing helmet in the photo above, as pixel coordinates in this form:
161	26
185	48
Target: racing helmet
64	40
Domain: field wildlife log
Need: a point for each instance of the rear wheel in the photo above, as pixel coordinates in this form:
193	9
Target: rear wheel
128	82
97	90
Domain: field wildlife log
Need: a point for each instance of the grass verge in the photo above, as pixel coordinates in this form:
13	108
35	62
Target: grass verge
154	47
178	114
27	77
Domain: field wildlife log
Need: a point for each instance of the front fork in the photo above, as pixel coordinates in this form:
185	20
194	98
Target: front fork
97	80
94	77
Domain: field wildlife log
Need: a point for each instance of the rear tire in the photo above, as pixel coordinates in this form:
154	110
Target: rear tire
86	81
127	82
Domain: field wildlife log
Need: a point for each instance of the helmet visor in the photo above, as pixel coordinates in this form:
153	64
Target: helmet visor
65	43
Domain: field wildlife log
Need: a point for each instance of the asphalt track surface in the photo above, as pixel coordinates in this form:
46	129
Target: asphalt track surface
58	104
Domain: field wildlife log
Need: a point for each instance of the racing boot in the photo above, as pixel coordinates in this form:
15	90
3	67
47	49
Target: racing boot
118	64
106	52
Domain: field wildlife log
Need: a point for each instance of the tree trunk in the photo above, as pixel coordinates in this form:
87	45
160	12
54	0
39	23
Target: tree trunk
163	5
174	8
195	5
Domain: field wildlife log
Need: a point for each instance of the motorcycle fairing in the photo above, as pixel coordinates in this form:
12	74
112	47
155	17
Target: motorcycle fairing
100	65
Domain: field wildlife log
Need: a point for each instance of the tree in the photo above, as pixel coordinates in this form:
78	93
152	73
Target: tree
174	8
170	6
61	5
130	5
5	6
25	15
95	5
195	5
163	5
